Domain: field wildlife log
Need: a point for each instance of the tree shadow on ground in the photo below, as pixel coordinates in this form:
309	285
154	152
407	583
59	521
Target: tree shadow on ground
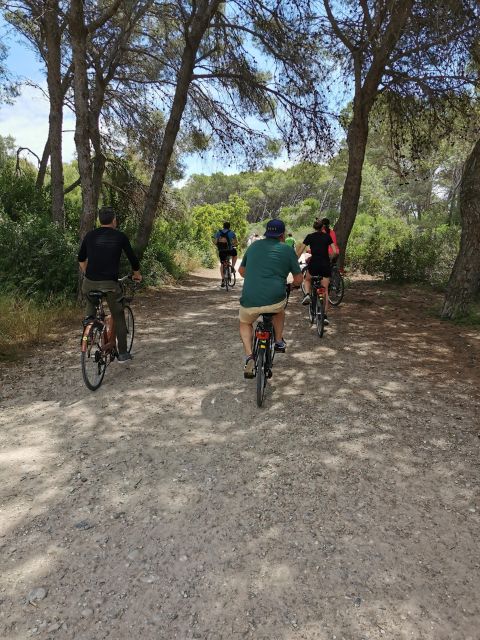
169	505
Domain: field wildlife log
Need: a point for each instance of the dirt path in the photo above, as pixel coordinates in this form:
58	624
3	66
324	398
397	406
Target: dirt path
166	505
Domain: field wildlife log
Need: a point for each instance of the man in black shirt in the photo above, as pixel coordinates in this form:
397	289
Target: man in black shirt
99	259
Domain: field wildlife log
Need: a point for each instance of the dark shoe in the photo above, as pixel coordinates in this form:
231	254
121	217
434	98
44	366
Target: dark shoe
326	321
223	284
249	368
306	299
280	345
124	357
88	320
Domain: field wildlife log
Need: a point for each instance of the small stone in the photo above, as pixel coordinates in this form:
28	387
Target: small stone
183	558
54	627
357	602
39	593
83	525
87	613
148	579
134	555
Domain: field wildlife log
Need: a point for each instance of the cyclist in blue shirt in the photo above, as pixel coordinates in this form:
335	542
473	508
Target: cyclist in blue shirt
226	241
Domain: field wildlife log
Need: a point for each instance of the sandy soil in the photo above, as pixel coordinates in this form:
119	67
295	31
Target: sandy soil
167	505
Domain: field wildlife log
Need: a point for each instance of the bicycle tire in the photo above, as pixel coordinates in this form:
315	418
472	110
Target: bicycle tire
336	289
130	322
232	278
320	317
304	272
261	376
226	276
93	360
312	307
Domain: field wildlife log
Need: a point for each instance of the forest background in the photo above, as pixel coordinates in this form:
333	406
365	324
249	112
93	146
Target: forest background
370	107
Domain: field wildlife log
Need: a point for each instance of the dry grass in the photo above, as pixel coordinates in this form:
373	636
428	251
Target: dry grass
25	323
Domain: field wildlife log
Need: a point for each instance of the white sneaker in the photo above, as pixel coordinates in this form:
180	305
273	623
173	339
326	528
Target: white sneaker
306	299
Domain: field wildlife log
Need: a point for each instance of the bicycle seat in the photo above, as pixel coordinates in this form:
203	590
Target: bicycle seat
267	316
95	296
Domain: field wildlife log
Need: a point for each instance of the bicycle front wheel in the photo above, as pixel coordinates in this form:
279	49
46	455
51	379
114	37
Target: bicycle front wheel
304	273
261	376
130	322
336	289
320	313
93	359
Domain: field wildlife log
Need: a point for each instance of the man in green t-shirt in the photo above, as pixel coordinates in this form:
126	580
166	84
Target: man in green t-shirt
290	240
265	267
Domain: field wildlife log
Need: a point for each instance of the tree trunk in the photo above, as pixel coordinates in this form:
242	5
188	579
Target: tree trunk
42	169
365	96
54	81
204	13
357	143
464	280
78	35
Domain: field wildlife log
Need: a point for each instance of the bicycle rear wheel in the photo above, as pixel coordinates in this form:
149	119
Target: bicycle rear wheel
261	376
336	288
93	359
320	317
130	322
312	307
226	276
232	278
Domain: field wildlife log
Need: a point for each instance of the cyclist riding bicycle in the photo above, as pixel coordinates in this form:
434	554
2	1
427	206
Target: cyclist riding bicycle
265	267
319	265
99	259
226	242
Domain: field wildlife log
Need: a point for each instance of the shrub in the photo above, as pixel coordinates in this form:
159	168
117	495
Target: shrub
37	258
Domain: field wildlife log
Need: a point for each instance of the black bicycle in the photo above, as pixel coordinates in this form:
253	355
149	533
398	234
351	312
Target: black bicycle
99	342
263	354
316	308
229	275
336	288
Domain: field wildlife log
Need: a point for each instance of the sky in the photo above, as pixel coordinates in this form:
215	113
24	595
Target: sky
26	120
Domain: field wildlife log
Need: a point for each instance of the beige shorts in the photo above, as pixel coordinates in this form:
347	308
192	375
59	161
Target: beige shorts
250	314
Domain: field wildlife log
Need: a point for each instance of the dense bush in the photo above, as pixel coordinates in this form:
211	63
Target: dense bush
423	256
37	258
372	238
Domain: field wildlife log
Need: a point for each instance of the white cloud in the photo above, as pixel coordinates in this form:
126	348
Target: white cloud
27	121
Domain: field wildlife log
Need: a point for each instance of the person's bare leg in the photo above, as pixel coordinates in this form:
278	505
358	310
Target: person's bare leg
308	283
246	334
234	261
278	322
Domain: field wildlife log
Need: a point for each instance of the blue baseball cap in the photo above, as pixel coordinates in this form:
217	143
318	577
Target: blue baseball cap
275	228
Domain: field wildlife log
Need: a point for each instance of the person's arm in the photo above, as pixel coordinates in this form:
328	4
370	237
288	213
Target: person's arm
300	249
82	257
127	247
295	269
242	267
234	240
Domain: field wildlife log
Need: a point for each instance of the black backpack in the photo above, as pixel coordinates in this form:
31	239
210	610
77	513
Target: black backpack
223	241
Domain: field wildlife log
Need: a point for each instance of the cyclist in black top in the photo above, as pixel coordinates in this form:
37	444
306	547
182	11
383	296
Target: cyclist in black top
319	265
99	259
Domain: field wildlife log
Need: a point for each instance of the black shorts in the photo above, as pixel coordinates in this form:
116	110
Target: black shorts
323	269
223	255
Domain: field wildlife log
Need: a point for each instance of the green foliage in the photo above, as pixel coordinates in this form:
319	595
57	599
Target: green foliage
423	256
19	196
37	258
371	239
207	219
